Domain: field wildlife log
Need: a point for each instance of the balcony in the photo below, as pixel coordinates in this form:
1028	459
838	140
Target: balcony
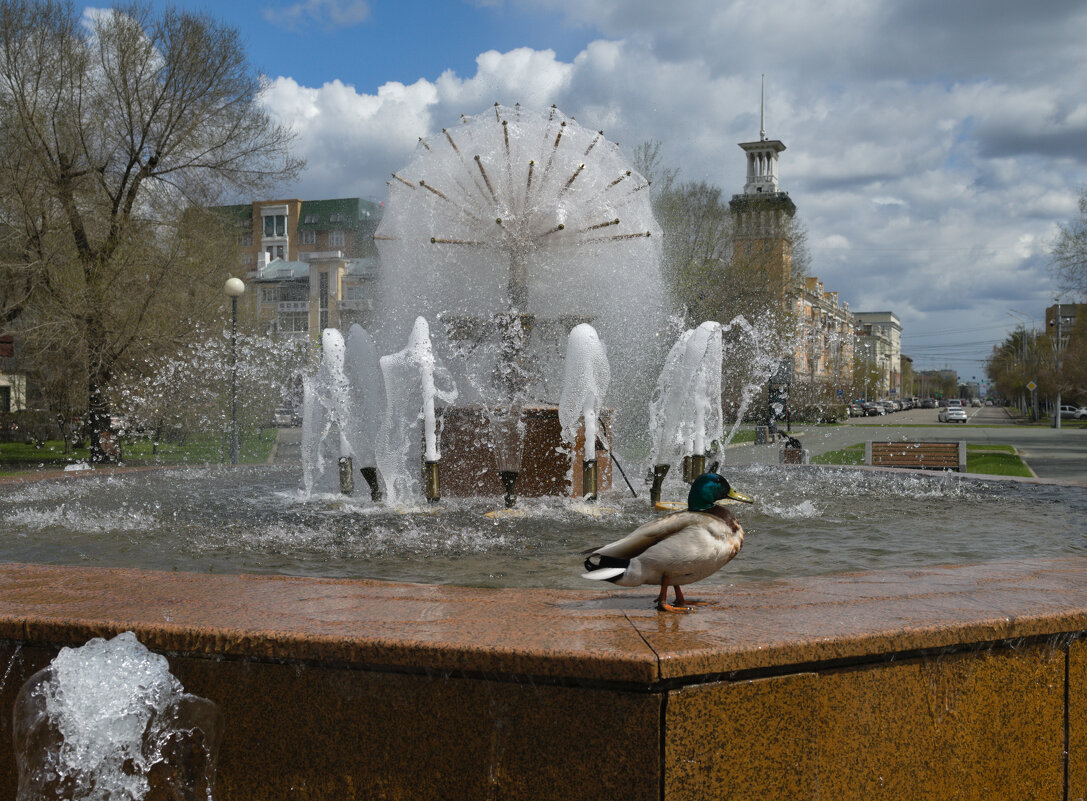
293	306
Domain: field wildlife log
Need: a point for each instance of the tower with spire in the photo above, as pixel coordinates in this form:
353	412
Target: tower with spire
762	213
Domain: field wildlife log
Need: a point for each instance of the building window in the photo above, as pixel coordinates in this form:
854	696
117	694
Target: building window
275	225
247	258
269	294
335	239
293	322
309	237
310	219
339	216
247	239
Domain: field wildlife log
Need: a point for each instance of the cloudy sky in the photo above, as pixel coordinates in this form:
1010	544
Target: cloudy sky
933	146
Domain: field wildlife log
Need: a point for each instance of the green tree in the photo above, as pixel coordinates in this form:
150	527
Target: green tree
1013	364
116	133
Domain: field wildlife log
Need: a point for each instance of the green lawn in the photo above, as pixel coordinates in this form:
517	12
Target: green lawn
991	460
17	456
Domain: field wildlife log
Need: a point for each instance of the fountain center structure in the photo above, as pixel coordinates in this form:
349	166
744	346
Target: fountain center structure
504	234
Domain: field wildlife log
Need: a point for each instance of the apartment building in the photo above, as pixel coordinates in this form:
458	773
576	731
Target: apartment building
310	264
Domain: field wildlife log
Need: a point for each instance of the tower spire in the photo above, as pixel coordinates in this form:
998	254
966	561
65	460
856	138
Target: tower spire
762	111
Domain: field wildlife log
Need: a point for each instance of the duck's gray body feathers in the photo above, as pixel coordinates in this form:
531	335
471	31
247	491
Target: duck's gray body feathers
678	549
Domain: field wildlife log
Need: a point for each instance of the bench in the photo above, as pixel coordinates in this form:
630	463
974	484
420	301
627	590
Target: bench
917	455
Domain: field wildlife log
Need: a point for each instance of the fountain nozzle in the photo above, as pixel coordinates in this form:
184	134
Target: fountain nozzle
509	483
431	482
347	476
693	466
589	479
370	474
659	472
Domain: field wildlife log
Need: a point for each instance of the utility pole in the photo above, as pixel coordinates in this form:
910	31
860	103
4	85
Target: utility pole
1057	346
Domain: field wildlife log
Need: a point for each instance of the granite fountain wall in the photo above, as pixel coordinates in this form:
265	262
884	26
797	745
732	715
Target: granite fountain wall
956	682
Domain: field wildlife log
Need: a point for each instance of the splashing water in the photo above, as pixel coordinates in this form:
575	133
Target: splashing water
414	381
327	416
584	386
108	722
511	229
685	412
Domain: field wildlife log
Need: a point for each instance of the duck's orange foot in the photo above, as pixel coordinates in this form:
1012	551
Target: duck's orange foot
692	602
664	606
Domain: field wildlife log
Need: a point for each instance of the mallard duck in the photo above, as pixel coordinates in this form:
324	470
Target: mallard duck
677	549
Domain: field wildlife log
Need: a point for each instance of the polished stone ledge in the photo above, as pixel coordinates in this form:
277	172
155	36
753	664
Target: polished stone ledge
610	636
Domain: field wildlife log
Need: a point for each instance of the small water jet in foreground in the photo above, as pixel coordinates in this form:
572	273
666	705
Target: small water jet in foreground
108	722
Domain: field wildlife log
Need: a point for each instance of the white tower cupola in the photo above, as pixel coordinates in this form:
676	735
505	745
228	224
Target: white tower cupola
762	157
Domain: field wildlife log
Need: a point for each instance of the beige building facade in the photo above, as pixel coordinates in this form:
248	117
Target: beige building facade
309	264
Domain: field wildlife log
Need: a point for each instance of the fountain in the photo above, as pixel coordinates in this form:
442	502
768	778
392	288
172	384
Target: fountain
506	233
398	649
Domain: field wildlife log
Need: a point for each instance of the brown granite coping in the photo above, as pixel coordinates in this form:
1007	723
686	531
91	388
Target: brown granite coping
613	636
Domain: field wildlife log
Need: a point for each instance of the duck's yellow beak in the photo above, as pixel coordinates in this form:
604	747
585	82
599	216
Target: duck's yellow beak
739	496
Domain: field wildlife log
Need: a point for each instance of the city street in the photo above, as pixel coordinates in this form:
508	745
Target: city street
1059	454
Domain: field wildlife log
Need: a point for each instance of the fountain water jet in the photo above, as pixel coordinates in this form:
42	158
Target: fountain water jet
584	385
414	380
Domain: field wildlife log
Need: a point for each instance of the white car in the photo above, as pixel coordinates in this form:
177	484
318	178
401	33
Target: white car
953	414
1076	413
954	403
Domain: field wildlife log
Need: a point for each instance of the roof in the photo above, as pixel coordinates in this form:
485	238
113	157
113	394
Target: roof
341	213
362	268
283	270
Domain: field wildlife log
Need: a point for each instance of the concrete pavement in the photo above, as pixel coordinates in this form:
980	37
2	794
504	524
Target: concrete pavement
1057	454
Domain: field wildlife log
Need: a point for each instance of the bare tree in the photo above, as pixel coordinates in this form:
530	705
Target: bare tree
1069	255
117	130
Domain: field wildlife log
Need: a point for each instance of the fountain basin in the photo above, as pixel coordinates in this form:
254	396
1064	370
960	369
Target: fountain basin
916	679
938	682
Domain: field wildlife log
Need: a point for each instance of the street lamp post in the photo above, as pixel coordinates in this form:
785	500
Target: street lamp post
234	288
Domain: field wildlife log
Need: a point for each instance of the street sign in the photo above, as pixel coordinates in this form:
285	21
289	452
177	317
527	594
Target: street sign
1032	386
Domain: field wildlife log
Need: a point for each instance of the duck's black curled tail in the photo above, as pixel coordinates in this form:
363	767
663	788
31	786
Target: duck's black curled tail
605	561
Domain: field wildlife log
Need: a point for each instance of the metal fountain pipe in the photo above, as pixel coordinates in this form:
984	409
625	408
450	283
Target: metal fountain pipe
509	483
347	475
659	472
431	481
370	474
589	480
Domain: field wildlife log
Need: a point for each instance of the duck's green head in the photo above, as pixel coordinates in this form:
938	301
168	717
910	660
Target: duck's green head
709	488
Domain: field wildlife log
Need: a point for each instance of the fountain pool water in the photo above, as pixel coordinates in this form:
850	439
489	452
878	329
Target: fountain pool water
806	521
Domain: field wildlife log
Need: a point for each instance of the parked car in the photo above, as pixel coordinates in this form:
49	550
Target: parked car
953	414
873	409
856	409
928	403
1075	412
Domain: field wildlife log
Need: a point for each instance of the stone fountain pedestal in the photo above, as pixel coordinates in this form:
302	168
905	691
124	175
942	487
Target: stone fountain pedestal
468	465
